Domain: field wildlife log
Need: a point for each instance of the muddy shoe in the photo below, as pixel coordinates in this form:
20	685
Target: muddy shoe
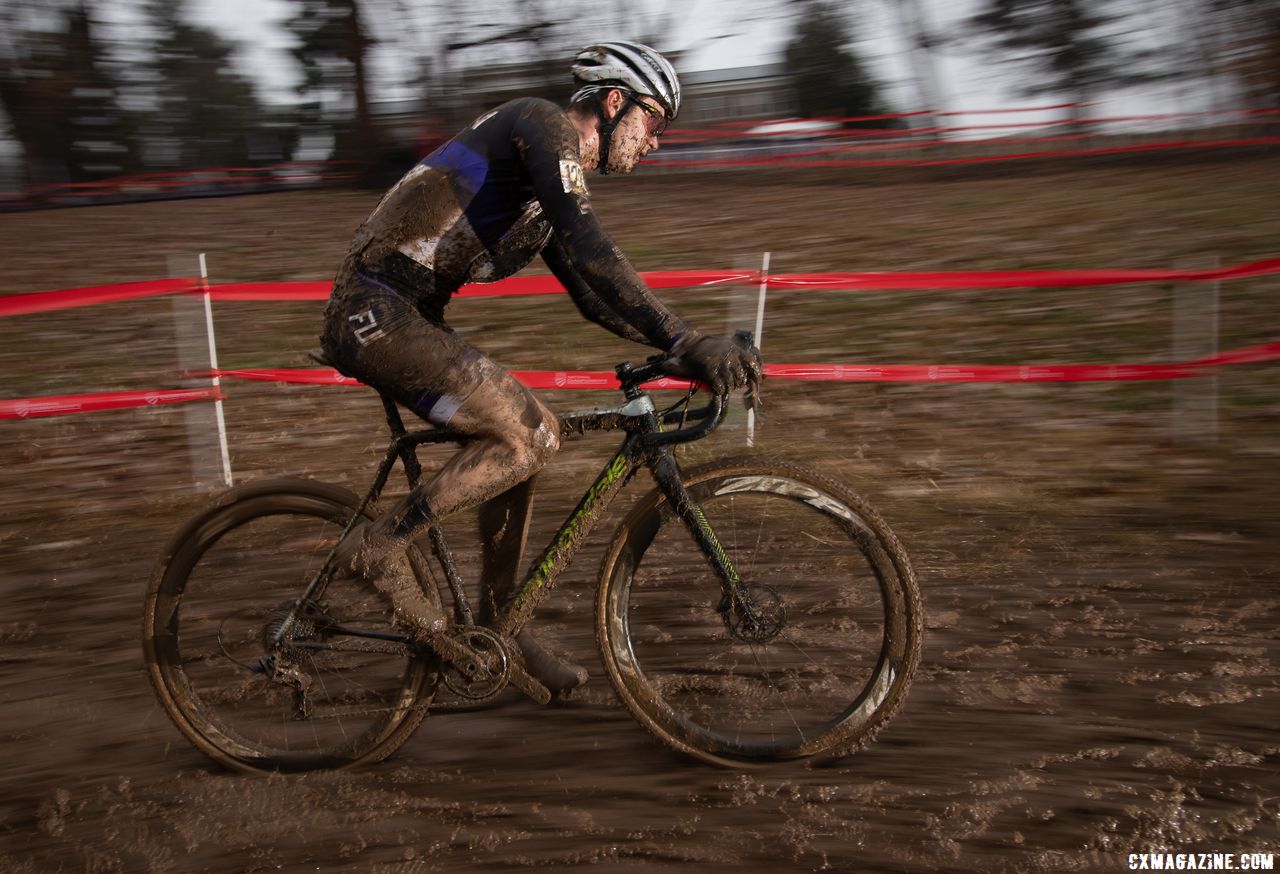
556	674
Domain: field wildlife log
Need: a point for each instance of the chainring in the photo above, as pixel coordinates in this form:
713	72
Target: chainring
488	673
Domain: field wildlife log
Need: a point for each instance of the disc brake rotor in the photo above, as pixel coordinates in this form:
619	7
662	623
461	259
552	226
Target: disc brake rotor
757	614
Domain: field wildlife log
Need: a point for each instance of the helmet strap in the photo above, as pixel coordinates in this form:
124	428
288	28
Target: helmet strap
607	128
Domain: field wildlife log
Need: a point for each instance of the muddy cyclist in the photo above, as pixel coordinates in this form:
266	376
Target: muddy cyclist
510	186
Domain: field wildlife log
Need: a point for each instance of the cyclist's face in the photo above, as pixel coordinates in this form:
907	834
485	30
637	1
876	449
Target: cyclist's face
636	135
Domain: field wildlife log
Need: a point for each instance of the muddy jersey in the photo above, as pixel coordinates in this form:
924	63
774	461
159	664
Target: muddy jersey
480	207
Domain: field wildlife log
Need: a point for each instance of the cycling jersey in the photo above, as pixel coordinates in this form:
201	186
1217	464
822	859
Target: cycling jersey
480	207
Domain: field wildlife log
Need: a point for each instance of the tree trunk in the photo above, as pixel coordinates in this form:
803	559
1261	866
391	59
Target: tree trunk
924	71
367	137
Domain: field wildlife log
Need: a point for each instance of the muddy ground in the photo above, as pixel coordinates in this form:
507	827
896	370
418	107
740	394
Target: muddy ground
1100	570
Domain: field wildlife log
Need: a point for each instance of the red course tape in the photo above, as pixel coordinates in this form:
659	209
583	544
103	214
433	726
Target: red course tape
31	408
786	160
980	372
975	279
18	304
24	408
54	300
603	379
46	301
509	287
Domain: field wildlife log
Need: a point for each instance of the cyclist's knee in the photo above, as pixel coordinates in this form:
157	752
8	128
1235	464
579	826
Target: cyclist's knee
547	434
536	443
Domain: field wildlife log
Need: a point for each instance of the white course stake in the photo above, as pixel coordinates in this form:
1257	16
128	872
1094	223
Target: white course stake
1195	335
213	365
759	339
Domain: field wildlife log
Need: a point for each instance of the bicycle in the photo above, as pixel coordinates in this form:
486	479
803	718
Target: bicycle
748	610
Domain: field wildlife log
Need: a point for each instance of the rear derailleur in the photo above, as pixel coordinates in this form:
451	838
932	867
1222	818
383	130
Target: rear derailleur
292	624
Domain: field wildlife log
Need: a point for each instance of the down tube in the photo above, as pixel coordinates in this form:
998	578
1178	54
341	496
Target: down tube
562	548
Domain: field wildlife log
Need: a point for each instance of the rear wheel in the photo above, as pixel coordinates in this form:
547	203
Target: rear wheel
338	691
811	659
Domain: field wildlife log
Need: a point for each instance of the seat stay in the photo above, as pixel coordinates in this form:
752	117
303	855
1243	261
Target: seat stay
403	448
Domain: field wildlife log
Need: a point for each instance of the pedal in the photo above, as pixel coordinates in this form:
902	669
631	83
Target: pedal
454	651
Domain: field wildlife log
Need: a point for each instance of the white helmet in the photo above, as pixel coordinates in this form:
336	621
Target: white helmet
630	66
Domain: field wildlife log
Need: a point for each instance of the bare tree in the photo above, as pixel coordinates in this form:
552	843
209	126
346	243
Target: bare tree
58	89
1066	47
920	45
333	49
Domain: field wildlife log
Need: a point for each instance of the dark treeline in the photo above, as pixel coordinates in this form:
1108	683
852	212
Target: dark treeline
85	101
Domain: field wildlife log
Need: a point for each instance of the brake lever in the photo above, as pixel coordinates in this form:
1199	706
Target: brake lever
751	397
751	393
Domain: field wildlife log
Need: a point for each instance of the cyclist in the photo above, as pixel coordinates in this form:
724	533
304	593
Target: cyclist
508	187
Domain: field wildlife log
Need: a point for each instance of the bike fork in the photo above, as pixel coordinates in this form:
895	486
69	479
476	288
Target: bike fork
667	473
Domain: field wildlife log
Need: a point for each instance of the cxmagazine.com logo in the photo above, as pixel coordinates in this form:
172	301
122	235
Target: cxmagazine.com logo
1202	861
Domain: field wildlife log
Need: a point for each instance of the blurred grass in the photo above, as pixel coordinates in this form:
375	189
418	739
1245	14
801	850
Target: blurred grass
1119	217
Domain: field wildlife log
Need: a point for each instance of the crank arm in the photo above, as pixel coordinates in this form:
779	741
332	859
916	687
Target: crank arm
450	650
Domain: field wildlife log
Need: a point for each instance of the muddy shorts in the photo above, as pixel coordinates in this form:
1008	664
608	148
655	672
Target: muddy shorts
377	335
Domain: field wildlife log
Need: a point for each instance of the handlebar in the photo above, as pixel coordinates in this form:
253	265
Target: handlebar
631	377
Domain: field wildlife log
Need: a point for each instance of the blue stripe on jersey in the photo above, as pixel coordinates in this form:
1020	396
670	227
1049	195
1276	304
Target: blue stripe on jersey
468	167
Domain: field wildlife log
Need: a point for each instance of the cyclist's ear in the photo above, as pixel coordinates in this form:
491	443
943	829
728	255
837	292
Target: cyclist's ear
612	102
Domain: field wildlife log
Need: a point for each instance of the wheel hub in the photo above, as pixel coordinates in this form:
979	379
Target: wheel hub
755	613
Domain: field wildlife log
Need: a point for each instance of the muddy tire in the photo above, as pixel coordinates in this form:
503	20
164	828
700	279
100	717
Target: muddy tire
221	584
818	676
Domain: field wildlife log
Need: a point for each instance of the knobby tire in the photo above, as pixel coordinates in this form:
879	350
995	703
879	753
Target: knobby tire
223	580
838	581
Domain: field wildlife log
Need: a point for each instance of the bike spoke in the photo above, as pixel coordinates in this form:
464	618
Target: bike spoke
245	568
772	685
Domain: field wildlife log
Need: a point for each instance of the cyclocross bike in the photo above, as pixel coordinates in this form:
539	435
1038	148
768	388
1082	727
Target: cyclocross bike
748	610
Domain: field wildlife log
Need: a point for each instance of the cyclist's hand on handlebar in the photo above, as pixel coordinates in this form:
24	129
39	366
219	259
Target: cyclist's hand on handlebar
723	363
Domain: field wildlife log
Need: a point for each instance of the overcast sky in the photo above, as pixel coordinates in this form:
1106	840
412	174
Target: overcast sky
713	34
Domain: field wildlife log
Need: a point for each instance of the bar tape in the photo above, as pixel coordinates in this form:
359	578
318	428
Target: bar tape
32	408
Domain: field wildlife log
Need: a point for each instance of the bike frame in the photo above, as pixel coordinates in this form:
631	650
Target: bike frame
645	445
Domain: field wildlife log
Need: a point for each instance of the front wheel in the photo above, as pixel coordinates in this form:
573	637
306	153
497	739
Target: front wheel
811	658
338	690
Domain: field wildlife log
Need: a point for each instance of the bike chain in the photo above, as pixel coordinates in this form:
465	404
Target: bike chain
387	648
